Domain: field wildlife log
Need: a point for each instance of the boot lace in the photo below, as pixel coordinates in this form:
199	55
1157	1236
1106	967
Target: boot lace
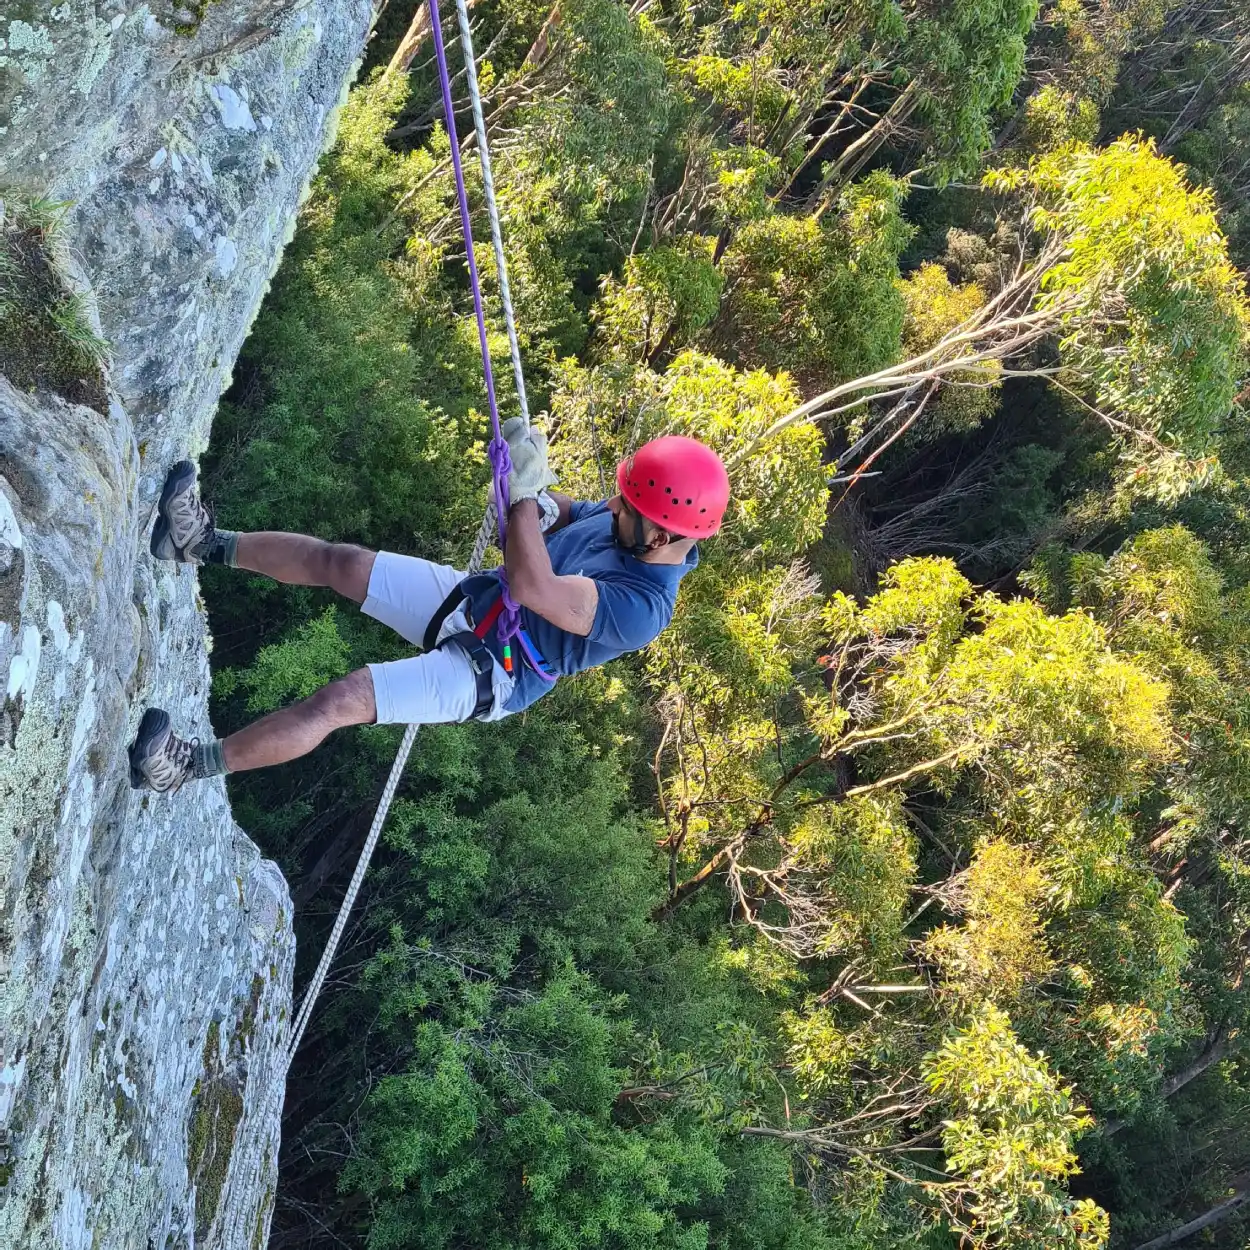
191	521
174	765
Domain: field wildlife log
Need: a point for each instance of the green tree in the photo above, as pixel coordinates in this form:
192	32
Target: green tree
819	300
662	299
1011	1133
1142	243
1130	279
914	841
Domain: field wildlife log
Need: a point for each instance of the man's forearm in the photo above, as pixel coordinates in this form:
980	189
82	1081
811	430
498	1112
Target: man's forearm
525	557
570	602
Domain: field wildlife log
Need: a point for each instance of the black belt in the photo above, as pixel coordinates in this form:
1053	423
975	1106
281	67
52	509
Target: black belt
471	643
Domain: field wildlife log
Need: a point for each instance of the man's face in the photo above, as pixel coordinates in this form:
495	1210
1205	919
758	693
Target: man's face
627	527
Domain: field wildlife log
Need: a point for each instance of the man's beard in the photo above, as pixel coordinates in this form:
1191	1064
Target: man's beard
635	549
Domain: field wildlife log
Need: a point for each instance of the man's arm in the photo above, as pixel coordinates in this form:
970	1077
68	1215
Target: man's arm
569	603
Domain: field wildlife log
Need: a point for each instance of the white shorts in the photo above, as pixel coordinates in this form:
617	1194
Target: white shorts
438	686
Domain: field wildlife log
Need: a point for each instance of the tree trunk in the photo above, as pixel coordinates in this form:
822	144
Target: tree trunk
1215	1050
644	1091
861	151
816	143
1221	1211
697	882
1158	843
417	33
542	44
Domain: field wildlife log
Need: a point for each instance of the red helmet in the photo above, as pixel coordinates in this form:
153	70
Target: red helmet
677	483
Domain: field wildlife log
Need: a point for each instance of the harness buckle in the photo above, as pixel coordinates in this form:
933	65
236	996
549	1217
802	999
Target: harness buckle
482	663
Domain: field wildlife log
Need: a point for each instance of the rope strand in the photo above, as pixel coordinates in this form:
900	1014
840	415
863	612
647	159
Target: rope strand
492	210
500	460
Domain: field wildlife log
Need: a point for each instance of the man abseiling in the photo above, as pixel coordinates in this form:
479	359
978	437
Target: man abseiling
593	581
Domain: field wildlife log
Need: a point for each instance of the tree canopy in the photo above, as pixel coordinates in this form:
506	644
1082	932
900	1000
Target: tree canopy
898	895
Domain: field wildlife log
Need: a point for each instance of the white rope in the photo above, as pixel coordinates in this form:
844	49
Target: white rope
358	877
236	1233
485	536
492	210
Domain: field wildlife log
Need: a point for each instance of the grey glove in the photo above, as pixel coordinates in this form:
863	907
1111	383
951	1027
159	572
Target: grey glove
530	473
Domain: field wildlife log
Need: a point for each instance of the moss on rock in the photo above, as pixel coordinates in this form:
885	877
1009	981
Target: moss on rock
46	340
216	1112
189	16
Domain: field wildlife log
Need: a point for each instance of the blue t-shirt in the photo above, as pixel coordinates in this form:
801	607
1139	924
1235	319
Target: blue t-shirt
636	602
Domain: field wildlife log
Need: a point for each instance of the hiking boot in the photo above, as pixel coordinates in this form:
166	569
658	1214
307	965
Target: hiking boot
184	528
159	759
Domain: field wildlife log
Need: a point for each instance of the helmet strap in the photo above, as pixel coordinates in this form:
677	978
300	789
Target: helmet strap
639	549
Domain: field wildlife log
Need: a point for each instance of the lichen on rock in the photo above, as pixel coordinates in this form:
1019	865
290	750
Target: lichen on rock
216	1114
134	927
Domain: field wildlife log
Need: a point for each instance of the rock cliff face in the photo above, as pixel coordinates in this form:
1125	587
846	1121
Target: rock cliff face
146	948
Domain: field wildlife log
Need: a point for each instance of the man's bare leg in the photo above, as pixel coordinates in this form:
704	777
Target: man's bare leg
184	531
299	560
294	731
162	761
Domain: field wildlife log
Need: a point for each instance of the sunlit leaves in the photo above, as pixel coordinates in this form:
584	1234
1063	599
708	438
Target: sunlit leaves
966	57
1001	946
1153	316
860	856
1010	1130
819	299
935	306
663	296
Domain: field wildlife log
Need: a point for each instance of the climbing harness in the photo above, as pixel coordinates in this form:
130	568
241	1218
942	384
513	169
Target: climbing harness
473	640
505	614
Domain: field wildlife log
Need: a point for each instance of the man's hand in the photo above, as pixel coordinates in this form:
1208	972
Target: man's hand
514	431
530	472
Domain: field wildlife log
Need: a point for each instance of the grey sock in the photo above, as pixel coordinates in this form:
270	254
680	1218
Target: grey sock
224	549
208	759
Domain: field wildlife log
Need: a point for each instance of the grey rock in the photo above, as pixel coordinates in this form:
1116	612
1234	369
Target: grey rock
146	949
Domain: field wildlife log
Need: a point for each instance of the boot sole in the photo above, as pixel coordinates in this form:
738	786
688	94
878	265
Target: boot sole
175	480
160	532
154	724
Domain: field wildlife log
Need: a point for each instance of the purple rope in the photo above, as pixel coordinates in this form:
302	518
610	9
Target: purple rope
500	461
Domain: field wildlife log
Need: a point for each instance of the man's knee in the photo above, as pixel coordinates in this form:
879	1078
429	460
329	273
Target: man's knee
348	701
350	568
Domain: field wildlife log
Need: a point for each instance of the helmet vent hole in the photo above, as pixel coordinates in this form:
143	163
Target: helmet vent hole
701	509
668	490
689	501
651	482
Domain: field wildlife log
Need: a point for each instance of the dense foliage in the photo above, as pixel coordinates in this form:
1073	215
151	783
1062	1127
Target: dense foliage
899	894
